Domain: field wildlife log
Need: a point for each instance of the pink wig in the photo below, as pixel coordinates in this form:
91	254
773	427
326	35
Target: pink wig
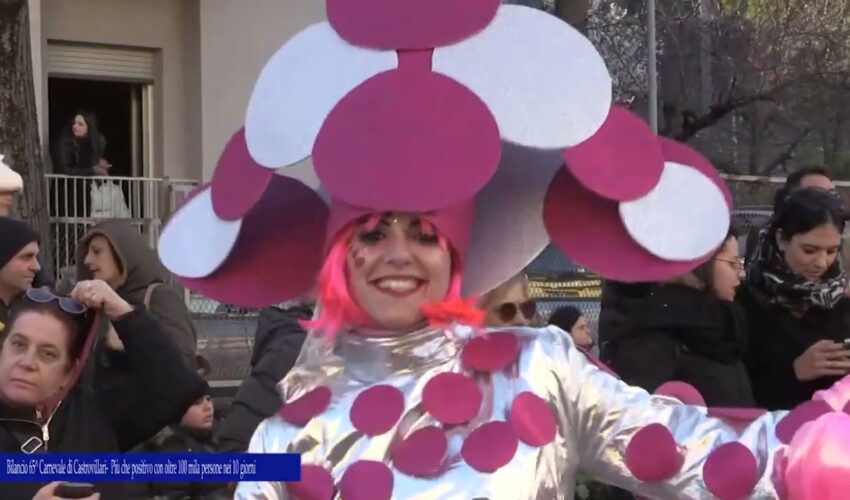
817	466
339	309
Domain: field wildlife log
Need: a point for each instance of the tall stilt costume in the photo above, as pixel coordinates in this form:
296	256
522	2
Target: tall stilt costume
495	124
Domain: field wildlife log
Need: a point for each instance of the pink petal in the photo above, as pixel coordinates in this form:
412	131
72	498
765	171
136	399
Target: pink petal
238	182
491	352
422	454
302	410
452	398
802	414
390	24
377	409
652	454
316	484
490	446
731	471
367	480
533	420
684	392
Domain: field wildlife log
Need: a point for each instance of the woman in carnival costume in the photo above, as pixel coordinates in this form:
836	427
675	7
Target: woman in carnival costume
439	132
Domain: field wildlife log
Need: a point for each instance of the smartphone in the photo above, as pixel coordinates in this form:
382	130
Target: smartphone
75	490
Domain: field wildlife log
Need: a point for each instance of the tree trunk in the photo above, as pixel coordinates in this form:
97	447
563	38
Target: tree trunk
574	12
19	140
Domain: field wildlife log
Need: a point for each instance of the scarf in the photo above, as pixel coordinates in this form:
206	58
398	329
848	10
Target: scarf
769	273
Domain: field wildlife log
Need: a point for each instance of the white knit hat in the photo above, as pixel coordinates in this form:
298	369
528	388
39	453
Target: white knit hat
10	181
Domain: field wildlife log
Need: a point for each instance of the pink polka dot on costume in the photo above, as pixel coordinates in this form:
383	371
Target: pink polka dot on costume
301	410
731	471
684	392
804	413
533	420
238	182
490	352
377	409
367	480
452	398
847	408
422	453
316	484
490	446
653	455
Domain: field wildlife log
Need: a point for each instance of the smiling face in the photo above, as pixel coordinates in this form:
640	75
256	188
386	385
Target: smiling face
35	360
395	268
811	254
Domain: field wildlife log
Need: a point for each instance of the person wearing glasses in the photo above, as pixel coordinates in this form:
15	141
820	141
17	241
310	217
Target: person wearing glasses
509	304
794	297
689	329
43	407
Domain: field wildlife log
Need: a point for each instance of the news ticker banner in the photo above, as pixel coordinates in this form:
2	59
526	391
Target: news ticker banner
154	467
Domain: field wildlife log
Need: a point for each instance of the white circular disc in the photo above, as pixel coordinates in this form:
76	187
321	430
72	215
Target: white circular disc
298	88
683	218
195	242
544	82
508	232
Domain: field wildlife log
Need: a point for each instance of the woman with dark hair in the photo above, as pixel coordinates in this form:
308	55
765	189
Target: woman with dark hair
81	147
571	320
44	407
688	329
794	299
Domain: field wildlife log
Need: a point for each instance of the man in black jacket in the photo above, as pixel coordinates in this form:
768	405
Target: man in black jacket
18	262
276	347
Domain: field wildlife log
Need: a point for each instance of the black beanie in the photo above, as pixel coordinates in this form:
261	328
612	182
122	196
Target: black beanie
14	236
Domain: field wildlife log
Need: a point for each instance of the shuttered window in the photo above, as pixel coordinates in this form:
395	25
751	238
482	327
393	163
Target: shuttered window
92	61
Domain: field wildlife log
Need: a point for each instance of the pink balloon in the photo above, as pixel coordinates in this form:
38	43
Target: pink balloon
686	393
653	455
303	409
422	24
588	229
316	484
490	352
278	253
533	420
367	480
452	398
422	454
377	409
410	141
731	471
490	446
802	414
622	161
238	182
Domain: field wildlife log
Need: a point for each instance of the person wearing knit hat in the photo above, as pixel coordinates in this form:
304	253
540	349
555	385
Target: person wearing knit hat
18	261
11	183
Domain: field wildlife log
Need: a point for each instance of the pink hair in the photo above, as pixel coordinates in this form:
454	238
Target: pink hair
339	309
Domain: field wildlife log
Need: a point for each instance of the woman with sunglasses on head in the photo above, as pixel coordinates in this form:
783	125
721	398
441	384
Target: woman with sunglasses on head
44	407
689	329
794	297
509	304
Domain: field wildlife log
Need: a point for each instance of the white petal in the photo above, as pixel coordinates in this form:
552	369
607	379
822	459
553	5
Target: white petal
683	218
195	242
299	86
544	81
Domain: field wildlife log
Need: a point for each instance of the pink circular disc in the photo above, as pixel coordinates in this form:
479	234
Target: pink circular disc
622	161
533	420
367	480
652	454
490	446
452	398
731	471
676	152
429	140
422	454
316	484
684	392
390	24
588	229
377	409
238	182
804	413
270	266
301	410
490	352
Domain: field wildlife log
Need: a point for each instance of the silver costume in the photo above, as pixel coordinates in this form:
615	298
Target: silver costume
596	417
